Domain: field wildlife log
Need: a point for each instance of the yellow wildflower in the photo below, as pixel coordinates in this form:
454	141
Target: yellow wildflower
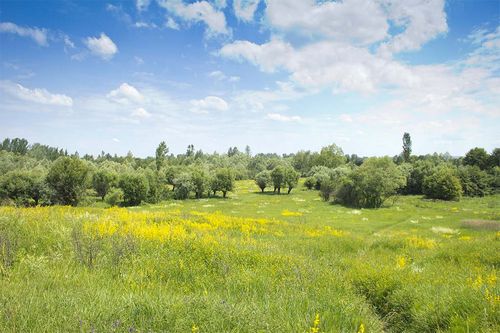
421	243
491	279
315	326
401	262
361	328
286	212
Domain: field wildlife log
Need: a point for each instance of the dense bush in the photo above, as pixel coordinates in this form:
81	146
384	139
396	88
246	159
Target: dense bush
278	178
223	181
183	186
291	178
442	184
103	180
263	179
328	187
477	157
135	188
24	187
310	182
318	175
200	181
370	184
415	179
67	179
114	197
474	181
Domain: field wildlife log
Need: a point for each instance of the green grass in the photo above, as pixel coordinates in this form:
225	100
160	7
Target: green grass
412	266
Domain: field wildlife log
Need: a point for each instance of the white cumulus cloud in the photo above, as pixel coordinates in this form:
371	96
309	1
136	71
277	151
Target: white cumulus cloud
36	95
172	24
421	21
140	113
283	118
245	9
142	4
360	21
38	35
220	76
200	11
126	94
209	103
101	46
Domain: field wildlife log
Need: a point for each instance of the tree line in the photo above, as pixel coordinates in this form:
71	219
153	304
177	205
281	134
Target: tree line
437	176
36	174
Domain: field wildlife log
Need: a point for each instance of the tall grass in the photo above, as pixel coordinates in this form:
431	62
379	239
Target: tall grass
251	263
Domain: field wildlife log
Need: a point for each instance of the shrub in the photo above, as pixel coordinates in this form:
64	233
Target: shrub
474	181
67	178
326	190
291	178
183	186
23	187
103	180
223	181
370	184
134	187
263	179
337	178
319	174
442	184
309	183
200	182
114	197
170	174
278	178
477	157
418	172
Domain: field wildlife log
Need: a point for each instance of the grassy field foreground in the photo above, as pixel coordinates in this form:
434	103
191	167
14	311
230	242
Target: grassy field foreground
252	263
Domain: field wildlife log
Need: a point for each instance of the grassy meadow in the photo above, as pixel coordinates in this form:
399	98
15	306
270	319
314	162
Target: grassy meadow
252	263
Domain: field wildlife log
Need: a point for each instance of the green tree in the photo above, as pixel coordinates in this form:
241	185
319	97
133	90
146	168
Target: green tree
171	173
474	181
67	179
263	179
24	187
327	189
183	186
103	180
319	174
278	178
442	184
371	184
190	150
16	145
161	153
406	147
420	169
494	160
135	188
330	156
302	162
478	157
310	182
331	184
200	182
114	197
223	181
291	178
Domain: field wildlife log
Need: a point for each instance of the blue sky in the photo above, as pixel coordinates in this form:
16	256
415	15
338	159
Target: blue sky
278	75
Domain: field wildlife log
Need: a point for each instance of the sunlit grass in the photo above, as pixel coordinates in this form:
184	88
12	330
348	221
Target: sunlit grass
252	263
